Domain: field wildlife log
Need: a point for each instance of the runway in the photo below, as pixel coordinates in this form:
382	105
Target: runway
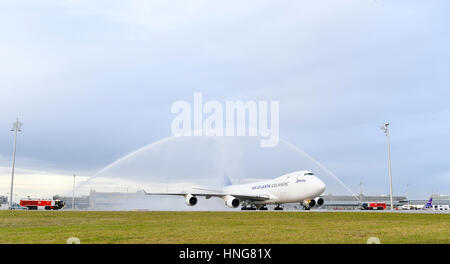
353	211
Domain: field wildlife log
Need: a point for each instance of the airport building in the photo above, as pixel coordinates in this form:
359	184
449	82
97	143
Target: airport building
438	199
99	200
3	199
113	200
80	202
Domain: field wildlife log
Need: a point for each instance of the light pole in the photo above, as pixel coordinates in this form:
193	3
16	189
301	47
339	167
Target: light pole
385	128
16	128
73	192
360	192
407	197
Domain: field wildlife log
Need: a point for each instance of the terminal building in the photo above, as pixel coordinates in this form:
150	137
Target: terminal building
80	202
101	201
3	199
113	200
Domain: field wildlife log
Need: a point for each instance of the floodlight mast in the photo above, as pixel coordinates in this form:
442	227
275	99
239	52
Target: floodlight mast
16	128
385	128
73	192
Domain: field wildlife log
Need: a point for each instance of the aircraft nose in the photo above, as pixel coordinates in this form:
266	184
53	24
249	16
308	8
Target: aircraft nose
320	186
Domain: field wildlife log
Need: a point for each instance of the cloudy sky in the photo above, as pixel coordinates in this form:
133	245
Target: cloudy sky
93	81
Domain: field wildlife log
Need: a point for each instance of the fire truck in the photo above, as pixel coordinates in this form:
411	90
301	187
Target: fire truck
373	206
34	204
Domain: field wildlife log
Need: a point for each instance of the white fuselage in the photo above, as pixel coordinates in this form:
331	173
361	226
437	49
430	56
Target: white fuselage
290	188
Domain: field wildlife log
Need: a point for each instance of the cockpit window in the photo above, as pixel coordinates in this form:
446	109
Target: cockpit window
309	173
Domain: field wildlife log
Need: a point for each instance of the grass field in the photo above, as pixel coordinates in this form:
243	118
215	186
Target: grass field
221	227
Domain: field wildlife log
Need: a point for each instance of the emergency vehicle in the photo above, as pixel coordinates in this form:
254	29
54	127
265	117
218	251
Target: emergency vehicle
373	206
35	204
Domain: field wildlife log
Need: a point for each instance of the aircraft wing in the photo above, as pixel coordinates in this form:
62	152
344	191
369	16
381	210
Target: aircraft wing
208	195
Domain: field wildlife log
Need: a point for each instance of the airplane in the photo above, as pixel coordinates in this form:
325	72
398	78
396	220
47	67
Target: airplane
299	186
428	205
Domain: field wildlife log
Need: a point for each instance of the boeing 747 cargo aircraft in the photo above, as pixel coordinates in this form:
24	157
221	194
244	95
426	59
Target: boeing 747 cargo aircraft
296	187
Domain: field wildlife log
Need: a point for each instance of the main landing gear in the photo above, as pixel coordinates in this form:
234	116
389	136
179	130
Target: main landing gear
253	207
259	207
278	208
248	207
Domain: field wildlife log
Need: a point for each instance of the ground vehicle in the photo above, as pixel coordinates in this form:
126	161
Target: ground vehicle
441	207
373	206
16	206
36	204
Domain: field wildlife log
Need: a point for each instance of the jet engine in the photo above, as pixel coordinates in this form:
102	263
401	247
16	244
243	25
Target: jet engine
232	201
191	200
319	201
314	202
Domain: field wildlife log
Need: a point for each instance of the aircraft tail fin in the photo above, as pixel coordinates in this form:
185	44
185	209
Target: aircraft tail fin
429	204
226	180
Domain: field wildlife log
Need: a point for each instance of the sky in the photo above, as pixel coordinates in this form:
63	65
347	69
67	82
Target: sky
93	81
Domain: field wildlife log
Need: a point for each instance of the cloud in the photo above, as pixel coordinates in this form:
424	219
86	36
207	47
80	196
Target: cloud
36	183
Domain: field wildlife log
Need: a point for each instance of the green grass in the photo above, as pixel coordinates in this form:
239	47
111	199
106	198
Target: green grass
221	227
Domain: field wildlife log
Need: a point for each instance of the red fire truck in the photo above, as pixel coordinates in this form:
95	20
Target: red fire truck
34	204
373	206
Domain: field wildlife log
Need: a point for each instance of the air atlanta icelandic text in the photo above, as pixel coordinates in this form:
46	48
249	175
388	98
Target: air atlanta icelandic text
273	185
